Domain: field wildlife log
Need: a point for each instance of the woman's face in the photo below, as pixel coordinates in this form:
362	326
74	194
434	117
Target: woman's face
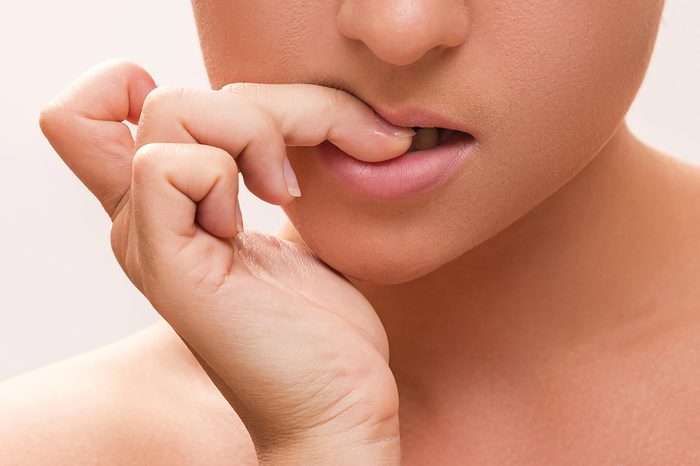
543	84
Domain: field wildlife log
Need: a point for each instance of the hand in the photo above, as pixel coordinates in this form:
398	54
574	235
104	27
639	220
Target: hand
297	351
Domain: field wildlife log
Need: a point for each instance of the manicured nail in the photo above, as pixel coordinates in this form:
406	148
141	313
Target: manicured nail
291	178
239	217
394	130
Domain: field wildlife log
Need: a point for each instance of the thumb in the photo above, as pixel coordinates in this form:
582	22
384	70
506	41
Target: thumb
84	124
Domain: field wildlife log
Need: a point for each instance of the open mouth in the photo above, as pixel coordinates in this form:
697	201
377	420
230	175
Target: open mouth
435	153
428	138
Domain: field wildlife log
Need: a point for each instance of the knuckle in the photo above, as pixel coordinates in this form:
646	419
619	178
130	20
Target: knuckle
259	124
119	67
256	92
161	97
149	159
223	159
122	65
261	120
341	98
123	71
244	89
157	159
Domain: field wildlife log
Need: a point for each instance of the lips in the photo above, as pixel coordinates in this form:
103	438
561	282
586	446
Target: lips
412	173
402	177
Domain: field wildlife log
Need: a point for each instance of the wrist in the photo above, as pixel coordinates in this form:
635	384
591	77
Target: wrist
374	452
379	445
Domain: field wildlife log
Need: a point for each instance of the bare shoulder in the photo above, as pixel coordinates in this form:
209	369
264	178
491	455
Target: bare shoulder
142	400
682	177
676	212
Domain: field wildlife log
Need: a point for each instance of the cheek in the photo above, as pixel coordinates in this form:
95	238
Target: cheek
562	75
260	41
554	80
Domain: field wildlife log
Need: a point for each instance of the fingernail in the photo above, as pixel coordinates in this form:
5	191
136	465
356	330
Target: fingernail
394	130
291	178
239	217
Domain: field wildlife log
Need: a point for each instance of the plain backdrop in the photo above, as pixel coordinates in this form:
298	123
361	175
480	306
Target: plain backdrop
61	290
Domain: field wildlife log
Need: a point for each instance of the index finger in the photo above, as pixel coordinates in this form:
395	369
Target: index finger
308	114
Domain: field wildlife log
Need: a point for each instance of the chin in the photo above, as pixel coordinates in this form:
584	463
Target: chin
374	259
381	273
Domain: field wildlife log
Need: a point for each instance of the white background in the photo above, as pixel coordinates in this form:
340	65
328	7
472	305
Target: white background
61	290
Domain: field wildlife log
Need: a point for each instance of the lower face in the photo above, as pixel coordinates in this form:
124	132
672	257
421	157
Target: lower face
544	85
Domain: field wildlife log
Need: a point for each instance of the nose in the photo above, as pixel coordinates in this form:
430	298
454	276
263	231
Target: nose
402	31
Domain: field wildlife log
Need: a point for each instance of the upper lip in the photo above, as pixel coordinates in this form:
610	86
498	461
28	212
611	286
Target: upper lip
409	116
422	117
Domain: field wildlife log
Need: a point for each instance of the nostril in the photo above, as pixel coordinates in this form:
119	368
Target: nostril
418	27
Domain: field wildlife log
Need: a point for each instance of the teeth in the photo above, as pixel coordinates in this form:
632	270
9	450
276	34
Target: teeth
444	134
425	138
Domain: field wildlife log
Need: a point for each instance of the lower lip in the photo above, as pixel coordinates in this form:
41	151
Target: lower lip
408	175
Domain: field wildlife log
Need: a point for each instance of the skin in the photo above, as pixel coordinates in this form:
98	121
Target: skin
542	88
542	323
295	349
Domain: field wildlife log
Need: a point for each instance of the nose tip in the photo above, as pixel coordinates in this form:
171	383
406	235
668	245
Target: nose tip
400	32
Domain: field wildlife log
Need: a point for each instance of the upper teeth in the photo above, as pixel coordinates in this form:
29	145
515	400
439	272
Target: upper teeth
427	138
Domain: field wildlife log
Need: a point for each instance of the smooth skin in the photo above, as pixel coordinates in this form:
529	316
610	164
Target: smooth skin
541	308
